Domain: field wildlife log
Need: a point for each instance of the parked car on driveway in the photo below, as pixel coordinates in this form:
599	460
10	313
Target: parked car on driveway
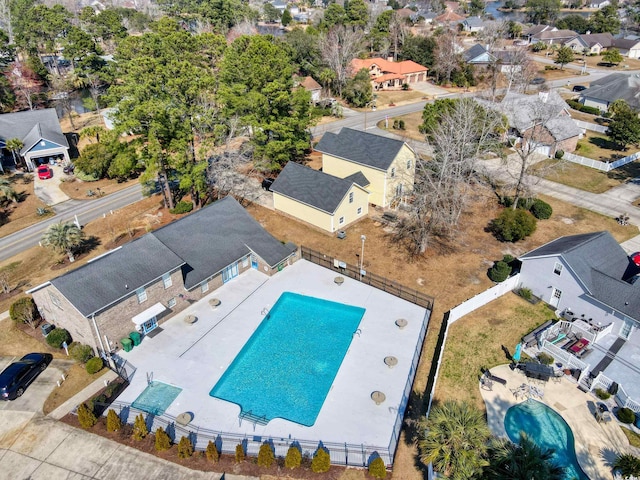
44	172
19	375
578	88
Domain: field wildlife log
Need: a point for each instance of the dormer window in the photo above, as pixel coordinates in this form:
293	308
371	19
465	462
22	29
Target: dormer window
557	268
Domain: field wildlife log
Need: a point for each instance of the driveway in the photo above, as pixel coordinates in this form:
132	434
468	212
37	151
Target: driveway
429	88
49	190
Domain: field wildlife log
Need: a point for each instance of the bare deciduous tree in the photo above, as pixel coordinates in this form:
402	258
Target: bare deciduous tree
444	184
447	54
398	30
25	83
5	284
339	46
517	68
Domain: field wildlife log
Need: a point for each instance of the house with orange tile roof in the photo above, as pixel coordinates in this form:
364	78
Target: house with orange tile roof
388	74
448	18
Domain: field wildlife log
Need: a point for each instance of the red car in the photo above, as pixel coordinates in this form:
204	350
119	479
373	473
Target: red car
44	172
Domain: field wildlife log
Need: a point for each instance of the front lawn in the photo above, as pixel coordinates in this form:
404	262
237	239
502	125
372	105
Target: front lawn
599	147
576	176
16	216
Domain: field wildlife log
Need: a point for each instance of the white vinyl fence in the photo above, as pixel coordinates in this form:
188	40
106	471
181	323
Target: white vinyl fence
483	298
597	164
591	126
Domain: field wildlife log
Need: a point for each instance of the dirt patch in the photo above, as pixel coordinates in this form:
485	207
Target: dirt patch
78	189
16	216
76	380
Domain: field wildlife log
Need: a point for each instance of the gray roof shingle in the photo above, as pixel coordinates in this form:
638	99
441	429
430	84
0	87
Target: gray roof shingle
31	126
100	283
359	179
359	147
216	236
616	86
601	265
311	187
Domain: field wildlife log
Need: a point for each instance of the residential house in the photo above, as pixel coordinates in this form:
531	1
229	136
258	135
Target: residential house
425	15
617	86
553	36
591	282
628	47
473	24
478	55
532	32
541	121
280	5
448	19
143	283
41	136
388	74
387	164
313	87
599	3
594	43
322	200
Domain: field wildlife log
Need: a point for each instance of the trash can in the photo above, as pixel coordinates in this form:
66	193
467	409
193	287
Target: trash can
136	338
127	345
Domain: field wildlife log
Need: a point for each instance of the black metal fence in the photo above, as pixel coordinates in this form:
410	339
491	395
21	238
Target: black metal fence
340	453
371	279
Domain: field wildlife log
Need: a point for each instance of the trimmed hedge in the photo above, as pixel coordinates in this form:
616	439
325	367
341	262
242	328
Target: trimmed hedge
80	353
94	365
86	417
265	455
293	459
57	337
182	207
113	421
22	308
239	453
212	453
321	461
625	415
185	448
377	468
513	225
541	209
499	272
163	442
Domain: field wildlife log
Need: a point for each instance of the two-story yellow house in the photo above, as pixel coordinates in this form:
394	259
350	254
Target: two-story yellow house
388	164
324	201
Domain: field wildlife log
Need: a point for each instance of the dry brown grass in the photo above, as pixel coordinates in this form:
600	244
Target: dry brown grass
577	176
14	342
76	379
384	98
411	123
22	214
77	189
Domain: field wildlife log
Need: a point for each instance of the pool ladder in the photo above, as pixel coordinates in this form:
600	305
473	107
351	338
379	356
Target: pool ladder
265	310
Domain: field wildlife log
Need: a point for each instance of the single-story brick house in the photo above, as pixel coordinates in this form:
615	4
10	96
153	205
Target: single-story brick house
143	283
322	200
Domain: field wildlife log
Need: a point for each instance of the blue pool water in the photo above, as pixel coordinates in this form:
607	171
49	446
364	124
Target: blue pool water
548	430
156	398
286	368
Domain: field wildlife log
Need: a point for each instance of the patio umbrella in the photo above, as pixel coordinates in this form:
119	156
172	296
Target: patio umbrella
635	258
516	354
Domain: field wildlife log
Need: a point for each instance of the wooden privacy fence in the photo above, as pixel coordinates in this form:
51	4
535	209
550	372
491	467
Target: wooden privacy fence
368	278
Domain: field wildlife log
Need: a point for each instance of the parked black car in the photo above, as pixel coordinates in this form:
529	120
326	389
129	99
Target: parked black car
578	88
18	376
537	81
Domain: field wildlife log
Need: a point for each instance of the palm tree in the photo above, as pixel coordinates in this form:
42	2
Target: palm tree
14	145
7	191
63	238
627	464
522	461
454	439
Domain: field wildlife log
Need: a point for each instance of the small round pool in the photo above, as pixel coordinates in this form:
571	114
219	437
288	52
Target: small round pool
548	430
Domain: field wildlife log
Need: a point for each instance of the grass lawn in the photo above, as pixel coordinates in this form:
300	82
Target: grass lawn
76	379
16	216
397	97
411	123
576	176
634	438
77	189
598	146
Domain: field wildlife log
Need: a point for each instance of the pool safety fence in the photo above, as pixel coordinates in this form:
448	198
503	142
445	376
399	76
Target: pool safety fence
368	278
340	453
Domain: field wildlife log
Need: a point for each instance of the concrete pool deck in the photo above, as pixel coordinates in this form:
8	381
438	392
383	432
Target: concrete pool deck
194	357
597	444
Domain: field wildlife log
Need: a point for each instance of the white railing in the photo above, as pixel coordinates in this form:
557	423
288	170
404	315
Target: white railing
621	397
567	359
585	332
597	164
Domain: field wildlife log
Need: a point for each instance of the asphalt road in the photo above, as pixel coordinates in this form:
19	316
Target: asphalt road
86	210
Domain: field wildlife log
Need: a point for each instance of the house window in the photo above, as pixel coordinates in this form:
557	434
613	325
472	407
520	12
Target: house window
166	280
172	302
55	300
350	197
245	262
557	268
142	294
359	210
341	220
399	189
408	164
204	287
393	172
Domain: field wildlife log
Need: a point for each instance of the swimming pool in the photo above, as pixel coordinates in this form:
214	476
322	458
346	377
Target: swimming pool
548	430
156	398
288	365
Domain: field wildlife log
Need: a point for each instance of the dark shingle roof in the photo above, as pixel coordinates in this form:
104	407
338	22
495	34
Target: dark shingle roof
203	243
104	281
216	236
616	86
474	52
31	126
359	147
311	187
359	179
601	265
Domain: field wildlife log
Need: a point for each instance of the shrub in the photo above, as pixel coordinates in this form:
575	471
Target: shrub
57	337
602	394
541	209
293	458
321	461
513	225
401	124
525	293
590	110
405	86
625	415
559	154
140	430
163	442
80	353
94	365
212	452
506	258
545	358
85	177
628	465
182	207
185	448
86	417
377	468
265	455
23	310
499	272
113	421
539	46
576	105
239	453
